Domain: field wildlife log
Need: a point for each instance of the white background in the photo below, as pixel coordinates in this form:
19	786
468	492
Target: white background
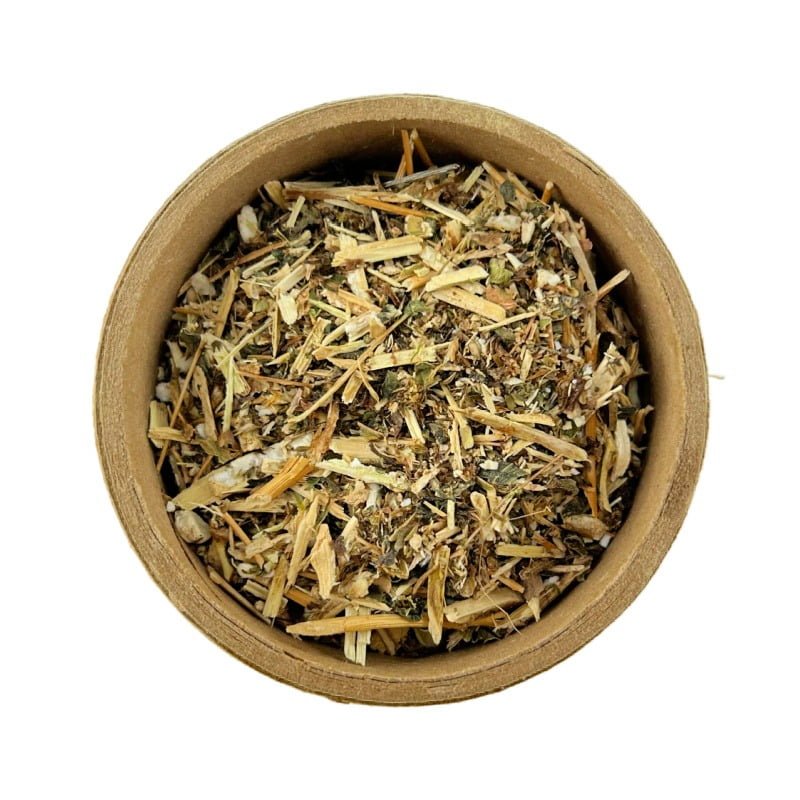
107	691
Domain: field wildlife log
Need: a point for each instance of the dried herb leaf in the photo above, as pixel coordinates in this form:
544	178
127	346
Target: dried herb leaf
504	474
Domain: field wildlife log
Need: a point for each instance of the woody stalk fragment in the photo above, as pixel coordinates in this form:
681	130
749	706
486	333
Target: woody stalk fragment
402	413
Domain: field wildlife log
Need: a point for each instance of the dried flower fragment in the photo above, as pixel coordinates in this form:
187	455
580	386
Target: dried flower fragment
248	224
191	527
586	525
230	479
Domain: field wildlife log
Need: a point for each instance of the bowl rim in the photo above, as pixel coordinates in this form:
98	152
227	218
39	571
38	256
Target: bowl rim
453	677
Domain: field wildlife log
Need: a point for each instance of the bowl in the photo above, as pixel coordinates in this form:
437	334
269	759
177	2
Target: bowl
655	297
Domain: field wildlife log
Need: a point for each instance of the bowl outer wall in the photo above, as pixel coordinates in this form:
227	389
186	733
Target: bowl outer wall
367	127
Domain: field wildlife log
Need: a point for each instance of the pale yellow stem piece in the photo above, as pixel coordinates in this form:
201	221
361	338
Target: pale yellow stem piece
583	263
296	208
294	470
446	211
288	308
401	358
472	178
226	301
380	251
389	208
158	435
419	485
525	432
455	449
499	598
237	529
521	188
337	625
493	173
407	152
277	586
436	585
412	423
395	481
488	398
226	587
305	527
460	298
533	418
612	283
420	148
456	276
201	387
522	550
508	321
323	560
385	278
275	192
355	642
511	583
351	389
355	447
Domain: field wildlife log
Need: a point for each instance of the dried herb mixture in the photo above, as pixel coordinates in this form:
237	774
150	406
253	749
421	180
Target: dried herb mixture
399	414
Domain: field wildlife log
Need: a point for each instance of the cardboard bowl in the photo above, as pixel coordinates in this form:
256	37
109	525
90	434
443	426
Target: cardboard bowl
368	128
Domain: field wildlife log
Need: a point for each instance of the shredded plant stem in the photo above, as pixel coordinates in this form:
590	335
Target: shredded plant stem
400	411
